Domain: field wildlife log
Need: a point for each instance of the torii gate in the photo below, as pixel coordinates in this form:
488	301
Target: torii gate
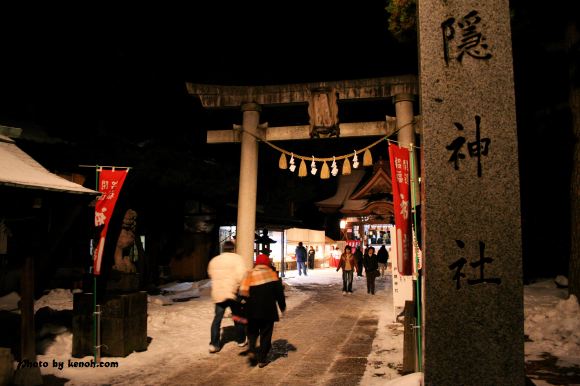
323	111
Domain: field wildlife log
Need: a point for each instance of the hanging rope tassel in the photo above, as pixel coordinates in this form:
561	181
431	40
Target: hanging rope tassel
368	158
325	172
282	162
302	169
346	167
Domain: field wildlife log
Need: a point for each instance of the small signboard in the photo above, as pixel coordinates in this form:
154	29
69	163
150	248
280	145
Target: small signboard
402	285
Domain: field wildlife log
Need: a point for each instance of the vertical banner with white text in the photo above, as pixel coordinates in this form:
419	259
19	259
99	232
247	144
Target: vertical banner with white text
110	183
400	175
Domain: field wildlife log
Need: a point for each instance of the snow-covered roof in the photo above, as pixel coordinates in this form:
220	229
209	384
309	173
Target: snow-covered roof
346	185
20	170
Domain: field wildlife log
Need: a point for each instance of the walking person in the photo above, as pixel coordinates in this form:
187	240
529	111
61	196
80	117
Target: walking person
301	256
383	258
347	263
358	255
371	264
311	256
262	290
226	271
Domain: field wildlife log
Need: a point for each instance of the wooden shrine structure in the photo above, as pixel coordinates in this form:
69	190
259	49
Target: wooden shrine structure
361	200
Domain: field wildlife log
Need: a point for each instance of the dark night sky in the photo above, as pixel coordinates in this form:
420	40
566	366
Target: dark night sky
80	73
77	72
73	69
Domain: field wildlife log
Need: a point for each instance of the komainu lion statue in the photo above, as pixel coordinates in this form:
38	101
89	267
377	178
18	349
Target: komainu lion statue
126	242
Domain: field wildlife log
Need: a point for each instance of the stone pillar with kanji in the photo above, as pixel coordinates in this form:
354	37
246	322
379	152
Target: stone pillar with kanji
473	291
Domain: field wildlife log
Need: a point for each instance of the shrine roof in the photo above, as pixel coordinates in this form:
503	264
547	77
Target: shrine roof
18	169
346	185
378	183
358	195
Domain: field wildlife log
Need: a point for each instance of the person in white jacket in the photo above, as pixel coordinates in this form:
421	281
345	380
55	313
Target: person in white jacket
226	272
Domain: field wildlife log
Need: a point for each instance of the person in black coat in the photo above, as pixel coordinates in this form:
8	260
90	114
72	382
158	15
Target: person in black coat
358	255
301	259
383	257
263	293
371	264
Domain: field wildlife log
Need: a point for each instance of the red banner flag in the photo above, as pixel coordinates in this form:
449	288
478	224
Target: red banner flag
400	175
110	183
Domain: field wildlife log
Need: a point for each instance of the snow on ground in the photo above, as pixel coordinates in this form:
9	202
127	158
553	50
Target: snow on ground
180	332
552	323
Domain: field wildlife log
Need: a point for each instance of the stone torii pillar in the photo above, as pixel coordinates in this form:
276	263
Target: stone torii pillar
405	118
246	224
406	134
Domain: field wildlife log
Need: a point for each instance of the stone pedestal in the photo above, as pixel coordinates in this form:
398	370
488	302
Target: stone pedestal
123	324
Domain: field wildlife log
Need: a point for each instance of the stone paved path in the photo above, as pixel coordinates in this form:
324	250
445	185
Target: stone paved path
323	341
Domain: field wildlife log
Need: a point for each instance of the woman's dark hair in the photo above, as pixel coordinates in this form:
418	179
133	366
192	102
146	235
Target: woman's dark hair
229	246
